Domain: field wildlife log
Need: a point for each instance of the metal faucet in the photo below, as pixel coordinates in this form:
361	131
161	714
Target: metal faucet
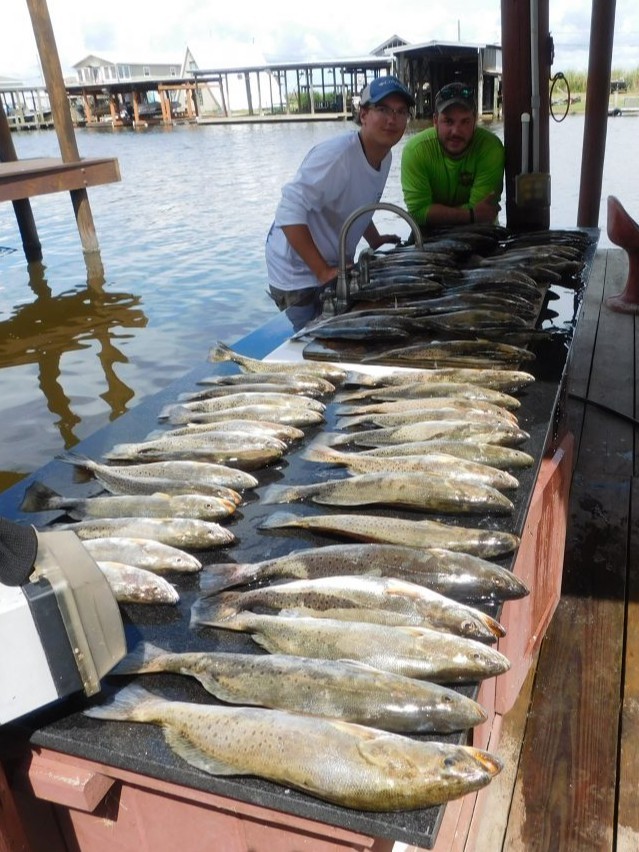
342	290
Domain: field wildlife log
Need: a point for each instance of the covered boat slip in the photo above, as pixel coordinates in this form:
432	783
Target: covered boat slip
92	784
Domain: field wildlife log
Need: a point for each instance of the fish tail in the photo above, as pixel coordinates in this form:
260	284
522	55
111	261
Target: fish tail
143	658
83	466
279	519
354	377
318	452
178	415
221	352
335	439
215	610
355	395
37	497
124	705
216	578
347	422
284	493
154	434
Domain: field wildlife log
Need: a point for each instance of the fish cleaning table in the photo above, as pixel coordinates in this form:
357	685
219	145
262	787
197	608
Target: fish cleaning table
95	785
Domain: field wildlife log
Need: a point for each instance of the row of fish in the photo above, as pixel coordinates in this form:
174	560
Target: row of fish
296	694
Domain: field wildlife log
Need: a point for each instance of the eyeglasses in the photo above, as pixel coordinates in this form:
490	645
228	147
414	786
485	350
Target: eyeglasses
456	90
388	112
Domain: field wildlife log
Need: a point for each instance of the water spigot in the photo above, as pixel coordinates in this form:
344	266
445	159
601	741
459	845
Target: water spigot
342	290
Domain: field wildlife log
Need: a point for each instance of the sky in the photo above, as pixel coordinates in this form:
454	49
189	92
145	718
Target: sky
221	33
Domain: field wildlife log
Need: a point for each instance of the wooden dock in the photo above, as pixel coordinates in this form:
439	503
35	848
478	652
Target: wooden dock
570	743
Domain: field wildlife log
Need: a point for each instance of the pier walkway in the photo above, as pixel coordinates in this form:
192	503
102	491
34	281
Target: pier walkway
571	742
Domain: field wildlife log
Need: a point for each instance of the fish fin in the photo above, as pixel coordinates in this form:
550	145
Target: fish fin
143	658
36	497
216	610
189	752
216	578
124	705
279	519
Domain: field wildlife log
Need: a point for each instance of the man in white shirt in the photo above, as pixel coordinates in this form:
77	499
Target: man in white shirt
336	178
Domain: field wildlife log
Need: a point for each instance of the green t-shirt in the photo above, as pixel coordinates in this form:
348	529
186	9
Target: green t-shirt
430	176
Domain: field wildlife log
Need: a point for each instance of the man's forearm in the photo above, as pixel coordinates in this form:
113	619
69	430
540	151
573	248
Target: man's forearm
300	239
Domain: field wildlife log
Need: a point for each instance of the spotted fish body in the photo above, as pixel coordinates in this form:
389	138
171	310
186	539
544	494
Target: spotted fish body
424	533
349	765
338	689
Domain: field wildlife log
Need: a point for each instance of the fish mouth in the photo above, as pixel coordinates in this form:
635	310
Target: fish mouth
489	762
498	630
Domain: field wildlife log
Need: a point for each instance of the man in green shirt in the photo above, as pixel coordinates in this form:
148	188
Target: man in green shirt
453	173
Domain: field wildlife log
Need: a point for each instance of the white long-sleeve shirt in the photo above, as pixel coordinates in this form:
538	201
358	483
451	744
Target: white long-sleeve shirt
334	179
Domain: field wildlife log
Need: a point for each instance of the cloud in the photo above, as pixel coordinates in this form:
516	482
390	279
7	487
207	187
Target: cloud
137	31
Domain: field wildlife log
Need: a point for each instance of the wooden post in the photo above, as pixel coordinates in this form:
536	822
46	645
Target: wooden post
22	206
602	27
517	99
52	71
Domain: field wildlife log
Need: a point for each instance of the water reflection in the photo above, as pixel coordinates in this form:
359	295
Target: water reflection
41	332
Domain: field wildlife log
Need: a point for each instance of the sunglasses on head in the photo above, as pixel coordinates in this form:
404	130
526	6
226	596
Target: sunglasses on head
456	90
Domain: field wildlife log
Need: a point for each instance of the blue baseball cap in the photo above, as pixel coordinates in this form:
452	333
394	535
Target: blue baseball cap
382	87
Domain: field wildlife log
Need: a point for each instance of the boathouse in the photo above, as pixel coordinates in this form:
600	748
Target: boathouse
425	68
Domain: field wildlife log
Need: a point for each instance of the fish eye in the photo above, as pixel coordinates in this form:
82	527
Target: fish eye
449	761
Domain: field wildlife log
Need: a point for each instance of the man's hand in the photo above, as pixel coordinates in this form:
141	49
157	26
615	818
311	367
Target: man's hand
487	209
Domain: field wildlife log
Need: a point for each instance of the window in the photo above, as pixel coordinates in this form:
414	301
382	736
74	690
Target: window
146	70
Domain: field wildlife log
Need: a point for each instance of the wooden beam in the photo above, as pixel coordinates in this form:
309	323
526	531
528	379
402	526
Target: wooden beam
63	123
25	178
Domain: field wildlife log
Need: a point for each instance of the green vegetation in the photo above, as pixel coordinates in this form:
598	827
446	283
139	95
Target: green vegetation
577	83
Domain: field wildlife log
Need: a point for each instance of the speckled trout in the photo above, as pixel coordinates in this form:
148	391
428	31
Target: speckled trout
178	532
496	455
414	391
418	652
425	403
403	416
408	490
508	381
236	400
283	431
380	600
166	477
499	432
349	765
435	464
38	497
461	576
240	449
333	374
300	382
130	584
143	553
298	417
338	689
391	530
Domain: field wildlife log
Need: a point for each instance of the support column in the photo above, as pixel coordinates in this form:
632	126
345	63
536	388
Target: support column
22	206
52	71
